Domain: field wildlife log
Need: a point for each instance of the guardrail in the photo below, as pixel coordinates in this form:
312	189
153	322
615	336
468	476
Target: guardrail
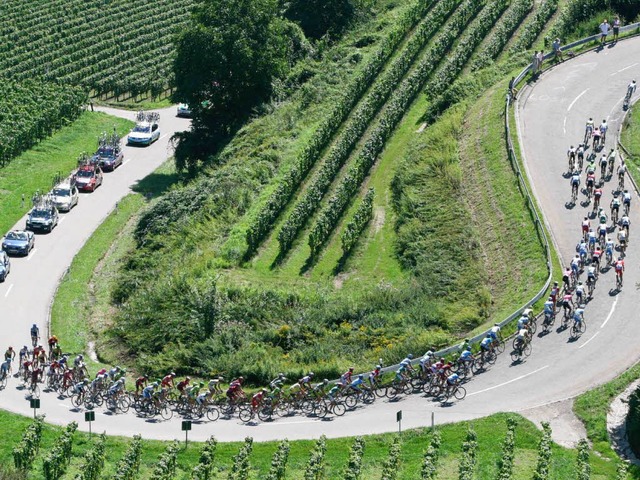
527	194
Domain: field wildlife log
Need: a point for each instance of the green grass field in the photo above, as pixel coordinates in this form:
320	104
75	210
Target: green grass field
630	138
35	169
490	432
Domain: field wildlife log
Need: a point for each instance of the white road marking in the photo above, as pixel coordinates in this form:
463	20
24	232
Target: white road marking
8	290
125	162
585	343
623	69
576	99
564	126
33	252
613	307
162	136
507	383
62	220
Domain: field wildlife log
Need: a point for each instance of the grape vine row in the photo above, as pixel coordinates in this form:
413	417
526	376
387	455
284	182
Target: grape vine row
25	452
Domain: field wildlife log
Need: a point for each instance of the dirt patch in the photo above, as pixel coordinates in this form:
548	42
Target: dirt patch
617	424
379	217
339	279
566	428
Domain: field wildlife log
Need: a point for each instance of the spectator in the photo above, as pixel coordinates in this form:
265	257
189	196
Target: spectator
557	50
540	59
616	29
604	31
512	89
534	64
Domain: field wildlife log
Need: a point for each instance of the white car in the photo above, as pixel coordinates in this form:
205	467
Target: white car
184	110
5	266
65	196
144	133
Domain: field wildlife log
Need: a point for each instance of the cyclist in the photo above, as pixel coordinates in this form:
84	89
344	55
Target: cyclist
148	394
10	354
588	131
631	88
575	265
566	278
611	160
182	385
523	322
407	362
24	351
80	387
567	302
591	275
579	293
345	378
619	267
495	330
591	181
334	393
592	240
626	200
78	362
549	309
602	232
615	207
596	138
258	398
597	195
622	239
400	375
5	368
235	392
56	352
35	334
52	342
486	345
452	383
578	315
609	248
141	383
358	384
116	389
277	382
167	380
522	338
571	155
204	397
580	154
193	392
305	382
115	373
374	375
575	182
622	170
603	166
582	249
466	357
603	129
319	388
586	225
595	257
214	386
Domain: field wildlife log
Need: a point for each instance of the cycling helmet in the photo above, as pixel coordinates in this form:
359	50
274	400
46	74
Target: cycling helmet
410	356
378	367
34	325
240	379
155	384
555	284
10	348
325	381
468	349
201	384
81	357
220	378
351	369
27	348
281	375
187	378
311	374
264	390
172	374
579	283
360	376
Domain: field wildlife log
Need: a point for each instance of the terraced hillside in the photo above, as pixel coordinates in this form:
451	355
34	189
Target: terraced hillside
367	216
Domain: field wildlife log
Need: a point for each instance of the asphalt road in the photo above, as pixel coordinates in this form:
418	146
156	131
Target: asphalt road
551	116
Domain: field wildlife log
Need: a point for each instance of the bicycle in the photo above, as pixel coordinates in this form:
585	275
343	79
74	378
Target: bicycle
578	328
522	349
3	379
591	285
574	193
618	282
621	181
352	398
458	392
549	320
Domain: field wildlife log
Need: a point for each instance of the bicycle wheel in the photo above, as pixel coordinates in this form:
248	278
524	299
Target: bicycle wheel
492	356
76	400
246	414
533	326
124	403
165	412
3	382
351	400
320	409
212	414
460	392
338	409
265	414
380	391
527	349
515	355
368	397
500	346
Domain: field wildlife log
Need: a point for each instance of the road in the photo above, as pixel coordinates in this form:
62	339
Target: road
551	115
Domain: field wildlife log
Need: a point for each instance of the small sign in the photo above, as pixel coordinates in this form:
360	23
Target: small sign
35	403
399	416
186	425
89	416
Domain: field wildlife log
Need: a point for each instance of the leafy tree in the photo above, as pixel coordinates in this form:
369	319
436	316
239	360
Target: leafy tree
225	63
321	17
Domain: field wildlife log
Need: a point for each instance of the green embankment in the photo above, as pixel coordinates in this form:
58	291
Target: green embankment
35	169
630	138
490	435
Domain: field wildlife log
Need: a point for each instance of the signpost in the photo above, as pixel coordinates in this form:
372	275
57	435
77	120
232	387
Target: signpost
186	426
35	404
399	420
89	416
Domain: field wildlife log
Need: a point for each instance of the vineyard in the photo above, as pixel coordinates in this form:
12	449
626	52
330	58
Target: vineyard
111	48
502	447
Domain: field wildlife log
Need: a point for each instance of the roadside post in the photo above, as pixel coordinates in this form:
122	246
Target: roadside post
399	420
89	416
186	426
35	404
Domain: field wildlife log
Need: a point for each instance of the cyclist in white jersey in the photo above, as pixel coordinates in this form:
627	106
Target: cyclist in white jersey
603	130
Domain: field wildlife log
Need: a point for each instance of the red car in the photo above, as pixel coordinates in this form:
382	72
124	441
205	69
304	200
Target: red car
88	178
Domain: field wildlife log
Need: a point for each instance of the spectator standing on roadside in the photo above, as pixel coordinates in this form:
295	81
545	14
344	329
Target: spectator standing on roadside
534	64
557	50
604	31
540	59
616	29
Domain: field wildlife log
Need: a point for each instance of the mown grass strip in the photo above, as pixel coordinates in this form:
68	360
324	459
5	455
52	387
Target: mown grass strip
630	139
34	170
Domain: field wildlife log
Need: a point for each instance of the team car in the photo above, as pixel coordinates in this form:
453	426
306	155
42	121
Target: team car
184	110
43	216
18	242
5	266
109	155
146	130
65	196
88	177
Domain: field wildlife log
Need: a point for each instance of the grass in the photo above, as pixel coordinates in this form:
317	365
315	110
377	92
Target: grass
630	139
35	169
490	433
591	408
85	288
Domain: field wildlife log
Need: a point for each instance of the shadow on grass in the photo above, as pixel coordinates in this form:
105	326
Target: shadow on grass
156	183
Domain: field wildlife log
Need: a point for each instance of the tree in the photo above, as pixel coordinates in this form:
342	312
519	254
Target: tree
225	63
323	17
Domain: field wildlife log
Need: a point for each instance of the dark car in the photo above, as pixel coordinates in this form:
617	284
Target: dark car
109	158
42	217
18	242
88	178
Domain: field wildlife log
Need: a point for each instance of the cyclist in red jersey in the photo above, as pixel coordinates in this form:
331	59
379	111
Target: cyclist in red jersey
167	380
182	386
141	382
258	398
619	266
555	290
234	392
